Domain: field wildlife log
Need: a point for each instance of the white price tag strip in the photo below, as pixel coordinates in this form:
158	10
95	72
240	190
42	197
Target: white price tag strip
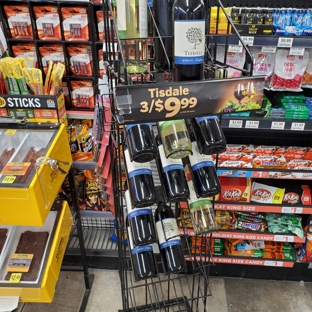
253	124
283	238
292	209
296	51
235	48
235	123
285	42
273	263
268	49
297	126
278	125
248	40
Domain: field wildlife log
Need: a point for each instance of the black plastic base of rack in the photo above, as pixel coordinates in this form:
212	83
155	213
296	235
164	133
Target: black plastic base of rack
181	302
86	295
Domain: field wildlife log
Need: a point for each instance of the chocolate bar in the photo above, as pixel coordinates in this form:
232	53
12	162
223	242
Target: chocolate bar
31	243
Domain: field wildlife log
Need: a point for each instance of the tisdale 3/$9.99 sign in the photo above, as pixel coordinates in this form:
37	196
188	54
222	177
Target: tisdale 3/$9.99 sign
179	100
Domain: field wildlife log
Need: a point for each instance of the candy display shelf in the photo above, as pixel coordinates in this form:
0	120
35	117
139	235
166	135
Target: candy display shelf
251	235
255	207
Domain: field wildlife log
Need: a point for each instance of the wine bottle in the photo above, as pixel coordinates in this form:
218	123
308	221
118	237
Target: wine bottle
175	138
202	213
209	135
141	184
205	179
173	176
143	260
163	21
189	39
141	142
141	222
136	18
168	237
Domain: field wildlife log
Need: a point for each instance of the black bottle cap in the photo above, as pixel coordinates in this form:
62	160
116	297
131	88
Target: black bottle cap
160	194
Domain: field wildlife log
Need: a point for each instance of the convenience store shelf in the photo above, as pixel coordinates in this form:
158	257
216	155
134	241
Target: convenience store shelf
244	261
266	123
265	173
73	114
260	41
289	238
255	207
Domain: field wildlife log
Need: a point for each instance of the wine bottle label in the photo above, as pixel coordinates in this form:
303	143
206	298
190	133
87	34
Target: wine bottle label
167	232
172	242
164	124
134	125
135	250
139	212
198	160
189	42
134	168
168	163
199	119
193	200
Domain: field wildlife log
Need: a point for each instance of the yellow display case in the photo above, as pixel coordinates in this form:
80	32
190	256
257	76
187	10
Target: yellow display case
34	159
59	223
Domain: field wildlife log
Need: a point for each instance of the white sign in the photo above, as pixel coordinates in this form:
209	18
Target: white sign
235	48
268	49
296	51
248	40
253	124
235	123
285	42
297	126
292	210
278	125
273	263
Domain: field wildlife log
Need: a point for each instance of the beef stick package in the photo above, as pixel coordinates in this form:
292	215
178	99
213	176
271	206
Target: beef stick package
80	60
263	63
82	94
53	53
25	51
19	21
75	24
48	22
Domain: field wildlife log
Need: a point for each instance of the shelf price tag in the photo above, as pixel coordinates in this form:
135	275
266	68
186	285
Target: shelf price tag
278	125
248	40
236	124
235	48
297	126
283	238
292	209
253	124
15	278
8	180
296	51
268	49
273	263
284	42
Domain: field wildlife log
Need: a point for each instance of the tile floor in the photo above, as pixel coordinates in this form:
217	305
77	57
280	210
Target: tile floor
228	295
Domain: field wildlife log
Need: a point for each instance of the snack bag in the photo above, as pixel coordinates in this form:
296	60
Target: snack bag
100	23
288	71
101	63
48	22
82	94
80	60
19	21
53	53
263	63
75	24
66	94
262	193
26	51
307	76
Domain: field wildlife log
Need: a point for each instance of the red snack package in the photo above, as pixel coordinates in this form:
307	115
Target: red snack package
66	94
53	53
19	21
296	150
82	94
235	148
25	50
230	156
288	70
80	60
48	22
235	189
101	63
265	149
75	24
269	162
100	23
298	164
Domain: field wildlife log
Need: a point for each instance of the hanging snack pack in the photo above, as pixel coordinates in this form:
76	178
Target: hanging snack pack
48	22
288	71
82	94
263	63
66	94
53	53
75	24
25	51
101	63
307	76
80	60
100	24
19	21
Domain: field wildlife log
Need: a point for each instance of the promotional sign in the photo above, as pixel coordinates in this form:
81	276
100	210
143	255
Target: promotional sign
154	102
